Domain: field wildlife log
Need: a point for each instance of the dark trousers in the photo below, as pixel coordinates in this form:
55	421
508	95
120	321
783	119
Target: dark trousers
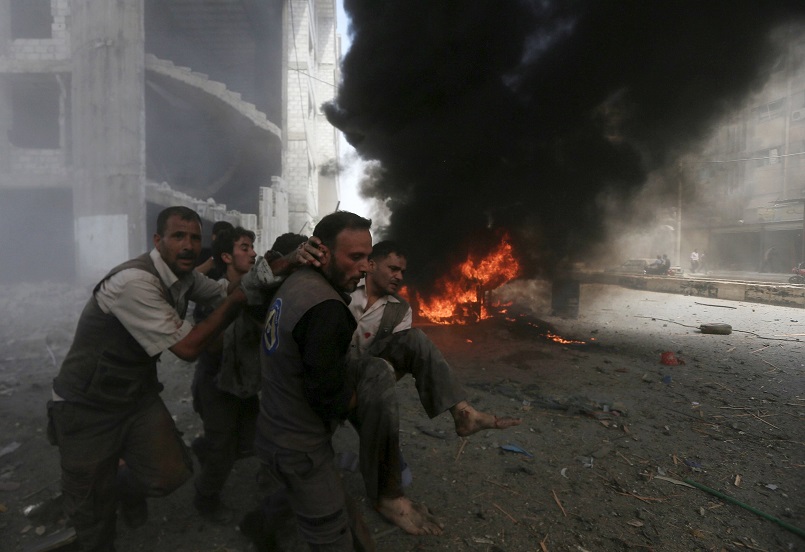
229	428
377	421
412	352
377	418
308	485
92	442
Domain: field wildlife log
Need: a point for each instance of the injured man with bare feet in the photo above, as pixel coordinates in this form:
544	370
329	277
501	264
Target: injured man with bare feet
384	330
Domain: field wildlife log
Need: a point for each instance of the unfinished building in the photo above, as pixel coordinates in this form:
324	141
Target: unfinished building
110	111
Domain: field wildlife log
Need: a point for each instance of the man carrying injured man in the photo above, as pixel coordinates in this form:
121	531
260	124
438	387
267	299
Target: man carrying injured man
309	385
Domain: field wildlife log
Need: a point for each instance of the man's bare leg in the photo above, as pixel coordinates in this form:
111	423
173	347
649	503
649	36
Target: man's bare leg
409	516
469	421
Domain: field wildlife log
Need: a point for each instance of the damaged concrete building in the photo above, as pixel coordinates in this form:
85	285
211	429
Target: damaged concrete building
751	174
110	111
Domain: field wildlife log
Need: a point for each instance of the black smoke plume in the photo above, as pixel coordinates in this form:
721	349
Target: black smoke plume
490	115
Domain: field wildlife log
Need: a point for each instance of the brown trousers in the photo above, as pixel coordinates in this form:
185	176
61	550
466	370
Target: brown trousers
92	442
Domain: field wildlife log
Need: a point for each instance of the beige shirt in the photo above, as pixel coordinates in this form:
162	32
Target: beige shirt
134	297
369	319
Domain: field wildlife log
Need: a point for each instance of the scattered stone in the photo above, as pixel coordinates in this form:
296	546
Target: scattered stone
603	451
9	448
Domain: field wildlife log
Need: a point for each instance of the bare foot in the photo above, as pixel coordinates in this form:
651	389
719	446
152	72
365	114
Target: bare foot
469	421
409	516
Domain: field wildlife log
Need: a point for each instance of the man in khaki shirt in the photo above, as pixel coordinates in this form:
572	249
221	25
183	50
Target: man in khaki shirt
118	442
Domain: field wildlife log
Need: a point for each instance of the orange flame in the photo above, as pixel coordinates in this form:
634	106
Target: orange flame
459	296
559	339
556	338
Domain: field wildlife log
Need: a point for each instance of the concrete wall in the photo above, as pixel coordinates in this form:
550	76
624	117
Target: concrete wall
760	154
35	182
310	139
770	294
5	124
108	133
94	55
57	47
273	214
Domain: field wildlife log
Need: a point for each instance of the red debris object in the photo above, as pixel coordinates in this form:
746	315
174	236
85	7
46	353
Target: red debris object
670	359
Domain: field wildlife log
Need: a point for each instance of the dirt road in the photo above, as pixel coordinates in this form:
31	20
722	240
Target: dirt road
608	431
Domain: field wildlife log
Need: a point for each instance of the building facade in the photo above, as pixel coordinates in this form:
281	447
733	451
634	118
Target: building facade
110	111
749	211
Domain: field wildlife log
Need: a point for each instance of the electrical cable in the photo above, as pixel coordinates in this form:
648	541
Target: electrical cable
781	523
734	330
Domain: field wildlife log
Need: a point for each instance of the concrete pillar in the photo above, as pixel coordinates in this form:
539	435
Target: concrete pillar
5	126
108	133
325	84
299	132
5	89
5	27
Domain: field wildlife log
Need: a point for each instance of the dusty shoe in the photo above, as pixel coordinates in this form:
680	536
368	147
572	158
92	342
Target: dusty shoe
222	515
49	511
254	527
134	511
213	510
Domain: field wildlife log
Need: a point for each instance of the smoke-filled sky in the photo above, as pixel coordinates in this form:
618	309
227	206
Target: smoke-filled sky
511	115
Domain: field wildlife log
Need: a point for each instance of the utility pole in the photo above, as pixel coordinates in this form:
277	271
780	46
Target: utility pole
679	219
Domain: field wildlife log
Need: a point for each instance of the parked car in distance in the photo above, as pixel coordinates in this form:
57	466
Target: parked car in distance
639	266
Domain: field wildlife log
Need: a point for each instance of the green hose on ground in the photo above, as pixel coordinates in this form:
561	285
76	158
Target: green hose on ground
781	523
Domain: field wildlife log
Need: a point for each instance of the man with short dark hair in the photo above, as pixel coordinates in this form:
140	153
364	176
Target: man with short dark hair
205	262
225	385
227	379
117	440
305	382
106	405
285	243
309	387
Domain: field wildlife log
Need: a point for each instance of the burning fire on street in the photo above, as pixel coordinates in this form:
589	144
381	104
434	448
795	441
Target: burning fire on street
460	297
464	296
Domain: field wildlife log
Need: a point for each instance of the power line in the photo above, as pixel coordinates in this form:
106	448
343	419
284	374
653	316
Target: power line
755	158
308	75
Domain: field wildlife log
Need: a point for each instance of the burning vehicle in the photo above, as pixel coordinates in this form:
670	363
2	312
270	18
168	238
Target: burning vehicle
463	294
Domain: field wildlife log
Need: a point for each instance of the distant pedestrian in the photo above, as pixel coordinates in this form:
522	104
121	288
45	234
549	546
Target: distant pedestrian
694	261
769	260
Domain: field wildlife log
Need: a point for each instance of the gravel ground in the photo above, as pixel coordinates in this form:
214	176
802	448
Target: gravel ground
608	431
